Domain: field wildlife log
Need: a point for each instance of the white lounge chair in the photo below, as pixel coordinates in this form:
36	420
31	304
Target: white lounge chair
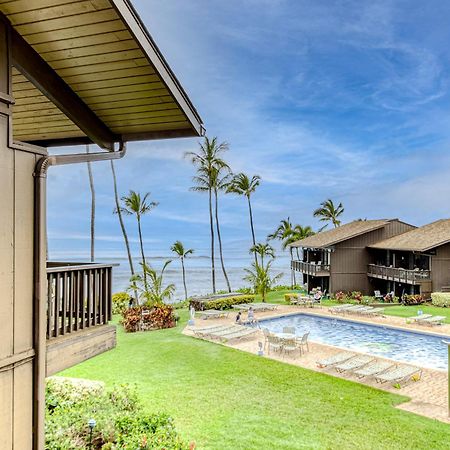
398	374
239	334
373	369
435	320
335	359
354	363
373	312
418	318
212	313
339	308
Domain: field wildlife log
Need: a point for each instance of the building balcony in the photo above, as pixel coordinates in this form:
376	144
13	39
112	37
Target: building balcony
79	307
309	268
407	276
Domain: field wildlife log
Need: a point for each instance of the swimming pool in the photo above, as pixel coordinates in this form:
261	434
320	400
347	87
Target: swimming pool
424	350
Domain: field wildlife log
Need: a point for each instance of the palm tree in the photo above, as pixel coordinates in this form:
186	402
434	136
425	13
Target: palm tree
151	292
327	212
263	249
284	234
118	211
92	188
220	184
136	205
208	161
259	277
179	249
241	184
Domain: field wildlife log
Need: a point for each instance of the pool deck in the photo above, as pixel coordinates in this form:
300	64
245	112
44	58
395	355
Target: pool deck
428	396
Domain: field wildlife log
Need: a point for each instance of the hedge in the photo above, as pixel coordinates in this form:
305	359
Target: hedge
120	302
121	419
440	299
288	297
220	303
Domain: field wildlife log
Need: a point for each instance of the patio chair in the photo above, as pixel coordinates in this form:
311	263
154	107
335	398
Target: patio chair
418	318
335	359
266	334
435	320
289	330
290	345
377	295
275	343
354	363
303	342
398	374
373	368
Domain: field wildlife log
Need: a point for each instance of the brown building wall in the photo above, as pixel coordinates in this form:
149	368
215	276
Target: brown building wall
440	268
349	260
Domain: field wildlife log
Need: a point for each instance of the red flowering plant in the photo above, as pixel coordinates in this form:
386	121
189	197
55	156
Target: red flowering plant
340	297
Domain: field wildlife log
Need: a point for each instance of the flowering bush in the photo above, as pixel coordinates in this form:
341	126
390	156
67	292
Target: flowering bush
340	297
149	318
414	299
120	302
121	422
356	296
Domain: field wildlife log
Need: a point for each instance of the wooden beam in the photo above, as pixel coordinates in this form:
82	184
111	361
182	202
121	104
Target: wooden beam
35	69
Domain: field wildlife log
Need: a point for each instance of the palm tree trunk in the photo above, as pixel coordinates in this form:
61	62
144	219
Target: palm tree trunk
141	242
184	278
122	225
220	241
211	225
92	188
251	224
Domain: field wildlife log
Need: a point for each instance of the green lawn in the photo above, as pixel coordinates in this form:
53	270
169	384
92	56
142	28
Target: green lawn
225	399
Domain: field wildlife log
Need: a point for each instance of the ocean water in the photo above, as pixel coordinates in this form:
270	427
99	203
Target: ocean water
198	272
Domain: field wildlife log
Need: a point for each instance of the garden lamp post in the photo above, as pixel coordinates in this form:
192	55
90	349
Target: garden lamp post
91	425
448	368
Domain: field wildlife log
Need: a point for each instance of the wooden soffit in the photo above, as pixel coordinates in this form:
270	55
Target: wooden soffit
102	51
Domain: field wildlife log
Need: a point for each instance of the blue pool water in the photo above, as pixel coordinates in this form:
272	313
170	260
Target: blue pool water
424	350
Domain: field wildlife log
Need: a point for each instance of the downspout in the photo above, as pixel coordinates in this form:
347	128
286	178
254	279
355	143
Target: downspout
40	274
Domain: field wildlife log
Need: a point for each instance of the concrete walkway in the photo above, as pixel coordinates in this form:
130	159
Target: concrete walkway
428	396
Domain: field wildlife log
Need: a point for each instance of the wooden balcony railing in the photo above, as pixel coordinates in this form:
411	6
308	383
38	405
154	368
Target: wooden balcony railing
79	296
315	270
406	276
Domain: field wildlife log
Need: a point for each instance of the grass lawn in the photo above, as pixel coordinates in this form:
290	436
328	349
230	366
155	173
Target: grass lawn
226	399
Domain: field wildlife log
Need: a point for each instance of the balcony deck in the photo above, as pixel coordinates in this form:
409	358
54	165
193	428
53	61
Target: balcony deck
407	276
315	270
79	307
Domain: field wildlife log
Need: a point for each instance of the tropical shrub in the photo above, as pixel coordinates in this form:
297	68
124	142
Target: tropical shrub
158	317
413	299
440	299
260	277
120	302
340	297
220	303
356	296
121	422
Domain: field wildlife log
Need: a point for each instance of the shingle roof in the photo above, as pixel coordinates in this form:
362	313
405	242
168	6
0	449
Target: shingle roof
420	239
342	233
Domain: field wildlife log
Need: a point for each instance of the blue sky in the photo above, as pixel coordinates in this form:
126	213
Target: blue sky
346	100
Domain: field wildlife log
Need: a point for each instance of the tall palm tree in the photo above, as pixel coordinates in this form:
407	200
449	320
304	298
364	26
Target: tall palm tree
263	249
92	188
179	250
284	234
118	211
207	161
327	212
220	183
241	184
138	206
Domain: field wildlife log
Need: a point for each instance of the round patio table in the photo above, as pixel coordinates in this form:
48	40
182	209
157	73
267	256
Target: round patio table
285	335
